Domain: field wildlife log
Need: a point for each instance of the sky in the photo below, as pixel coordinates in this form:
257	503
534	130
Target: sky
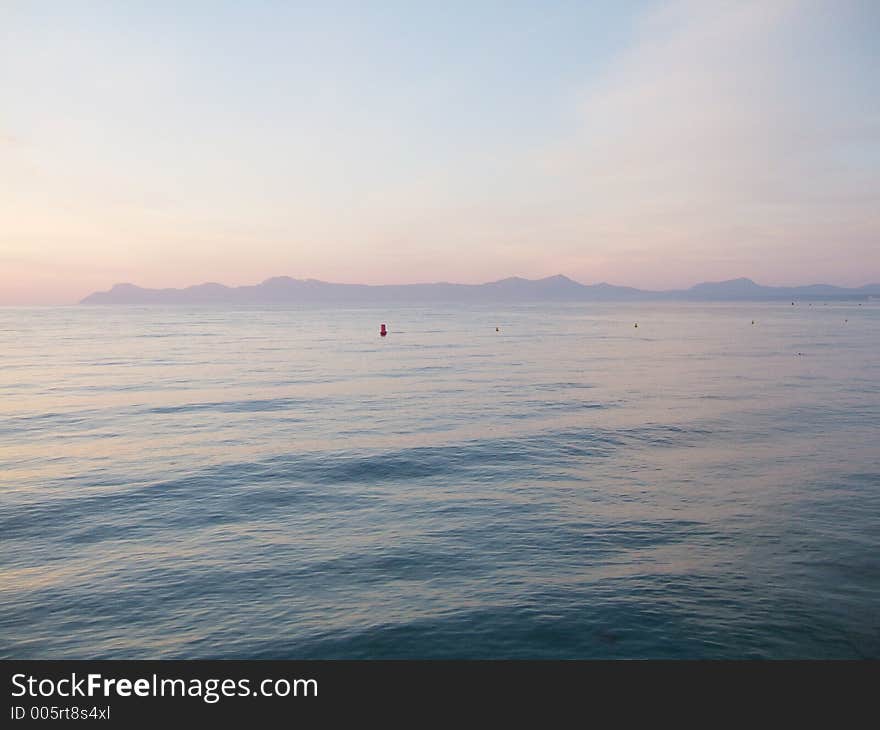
648	144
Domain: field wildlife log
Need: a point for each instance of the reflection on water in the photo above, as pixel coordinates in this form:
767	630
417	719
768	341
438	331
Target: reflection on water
219	482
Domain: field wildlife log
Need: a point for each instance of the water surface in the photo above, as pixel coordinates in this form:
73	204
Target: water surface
283	483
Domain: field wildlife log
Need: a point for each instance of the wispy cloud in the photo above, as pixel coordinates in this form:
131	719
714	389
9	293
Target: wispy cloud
719	136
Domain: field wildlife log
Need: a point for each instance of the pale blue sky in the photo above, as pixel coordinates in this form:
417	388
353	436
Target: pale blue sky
648	144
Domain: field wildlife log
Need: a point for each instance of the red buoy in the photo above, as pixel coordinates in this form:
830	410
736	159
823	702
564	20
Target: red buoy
382	330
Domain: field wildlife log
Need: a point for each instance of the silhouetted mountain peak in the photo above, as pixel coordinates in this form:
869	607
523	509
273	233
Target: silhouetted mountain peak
560	288
740	283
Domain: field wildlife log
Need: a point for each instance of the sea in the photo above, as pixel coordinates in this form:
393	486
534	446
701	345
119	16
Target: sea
639	480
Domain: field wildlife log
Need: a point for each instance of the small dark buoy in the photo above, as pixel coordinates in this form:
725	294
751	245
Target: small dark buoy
845	321
497	330
382	330
636	325
753	321
792	304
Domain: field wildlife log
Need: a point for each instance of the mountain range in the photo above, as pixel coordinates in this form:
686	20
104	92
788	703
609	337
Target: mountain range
559	288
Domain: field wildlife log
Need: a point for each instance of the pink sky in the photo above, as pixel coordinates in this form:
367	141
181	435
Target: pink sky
709	141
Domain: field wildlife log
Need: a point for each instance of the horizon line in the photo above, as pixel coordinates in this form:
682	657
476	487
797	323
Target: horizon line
513	277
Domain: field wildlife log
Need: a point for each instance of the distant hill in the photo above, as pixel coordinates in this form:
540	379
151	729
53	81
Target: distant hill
285	290
746	289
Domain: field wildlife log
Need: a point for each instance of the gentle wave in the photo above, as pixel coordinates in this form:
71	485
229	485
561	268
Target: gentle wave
183	484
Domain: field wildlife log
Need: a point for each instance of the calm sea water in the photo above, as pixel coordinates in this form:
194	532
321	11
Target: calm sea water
283	483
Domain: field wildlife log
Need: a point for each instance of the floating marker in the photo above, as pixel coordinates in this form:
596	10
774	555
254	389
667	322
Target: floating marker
382	330
636	325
